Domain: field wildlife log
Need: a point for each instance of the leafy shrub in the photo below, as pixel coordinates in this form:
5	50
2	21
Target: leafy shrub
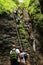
35	12
22	31
7	5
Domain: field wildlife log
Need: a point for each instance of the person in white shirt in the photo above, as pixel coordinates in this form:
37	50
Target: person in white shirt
22	58
14	48
14	51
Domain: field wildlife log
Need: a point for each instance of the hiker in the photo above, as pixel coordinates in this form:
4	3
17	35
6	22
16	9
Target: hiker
22	58
25	53
15	12
17	20
28	60
14	55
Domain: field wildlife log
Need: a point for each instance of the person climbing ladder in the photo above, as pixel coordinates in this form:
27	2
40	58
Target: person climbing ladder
14	55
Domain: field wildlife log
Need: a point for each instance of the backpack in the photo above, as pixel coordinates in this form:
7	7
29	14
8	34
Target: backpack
25	56
17	21
13	55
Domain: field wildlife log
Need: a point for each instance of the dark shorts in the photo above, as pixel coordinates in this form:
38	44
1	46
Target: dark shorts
22	64
14	62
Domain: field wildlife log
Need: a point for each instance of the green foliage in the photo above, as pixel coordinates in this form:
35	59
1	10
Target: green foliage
35	12
21	29
7	5
25	4
10	5
21	25
33	7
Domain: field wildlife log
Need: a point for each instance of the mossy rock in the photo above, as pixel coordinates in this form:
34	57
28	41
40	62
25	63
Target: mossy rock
22	31
16	40
20	26
24	40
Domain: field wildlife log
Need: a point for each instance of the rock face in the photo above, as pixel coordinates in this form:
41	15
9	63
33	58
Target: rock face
10	33
8	36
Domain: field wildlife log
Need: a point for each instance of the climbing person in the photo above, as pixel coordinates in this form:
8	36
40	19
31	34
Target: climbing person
25	55
28	60
18	54
17	20
22	58
14	55
15	12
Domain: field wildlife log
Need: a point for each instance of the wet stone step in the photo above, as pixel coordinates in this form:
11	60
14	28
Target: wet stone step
27	37
23	37
26	26
1	42
26	23
12	32
19	28
5	36
11	40
6	61
13	28
4	25
15	37
17	43
27	29
24	40
21	34
1	38
7	39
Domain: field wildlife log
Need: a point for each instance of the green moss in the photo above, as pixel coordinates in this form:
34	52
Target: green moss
22	31
7	5
25	4
35	12
21	25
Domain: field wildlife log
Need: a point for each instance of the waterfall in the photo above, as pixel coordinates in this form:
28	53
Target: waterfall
34	42
34	45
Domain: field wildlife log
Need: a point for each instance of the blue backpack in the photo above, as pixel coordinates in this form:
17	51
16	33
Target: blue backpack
17	20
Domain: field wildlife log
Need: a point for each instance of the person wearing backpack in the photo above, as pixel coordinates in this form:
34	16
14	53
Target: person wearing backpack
22	58
17	20
14	55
